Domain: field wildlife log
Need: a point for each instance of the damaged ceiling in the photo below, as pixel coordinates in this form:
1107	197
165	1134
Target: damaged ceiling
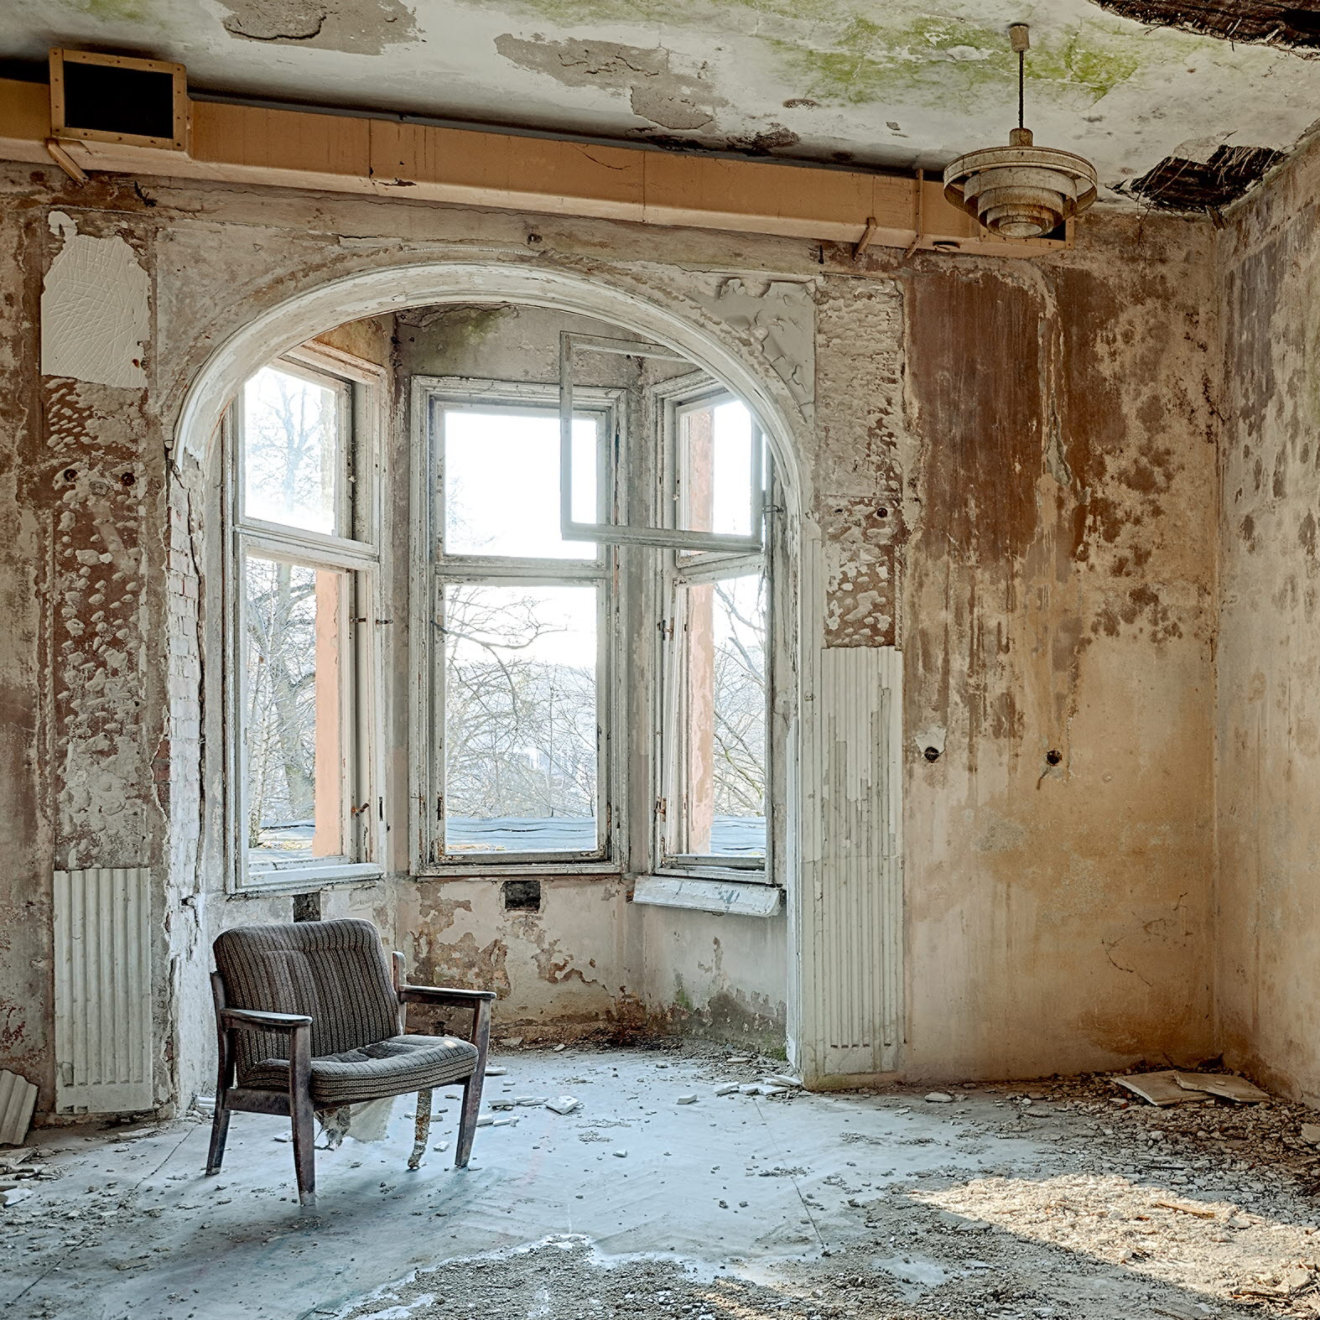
1180	105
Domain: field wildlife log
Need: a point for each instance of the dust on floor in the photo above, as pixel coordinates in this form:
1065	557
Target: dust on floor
1067	1198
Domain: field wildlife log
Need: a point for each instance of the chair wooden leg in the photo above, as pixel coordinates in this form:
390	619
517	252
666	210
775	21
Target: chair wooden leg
219	1131
467	1122
300	1111
224	1076
421	1128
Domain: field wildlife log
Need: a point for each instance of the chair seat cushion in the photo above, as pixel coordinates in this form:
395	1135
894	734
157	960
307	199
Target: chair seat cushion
392	1066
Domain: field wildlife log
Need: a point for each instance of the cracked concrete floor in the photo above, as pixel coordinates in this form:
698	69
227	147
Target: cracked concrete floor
739	1206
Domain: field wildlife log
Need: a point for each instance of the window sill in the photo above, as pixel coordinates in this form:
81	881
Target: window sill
294	880
735	898
472	870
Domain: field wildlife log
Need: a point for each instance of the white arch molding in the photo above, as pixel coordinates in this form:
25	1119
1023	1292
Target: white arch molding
396	288
379	291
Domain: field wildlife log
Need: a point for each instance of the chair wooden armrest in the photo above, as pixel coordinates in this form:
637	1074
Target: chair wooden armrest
252	1019
437	994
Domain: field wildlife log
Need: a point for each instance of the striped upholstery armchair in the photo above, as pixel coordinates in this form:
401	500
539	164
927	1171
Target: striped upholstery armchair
310	1017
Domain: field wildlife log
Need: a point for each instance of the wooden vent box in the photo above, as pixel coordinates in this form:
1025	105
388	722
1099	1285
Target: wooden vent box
118	98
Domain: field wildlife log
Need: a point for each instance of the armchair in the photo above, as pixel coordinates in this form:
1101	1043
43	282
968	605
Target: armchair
311	1016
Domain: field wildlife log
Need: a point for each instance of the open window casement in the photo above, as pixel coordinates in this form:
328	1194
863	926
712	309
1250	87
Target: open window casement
714	490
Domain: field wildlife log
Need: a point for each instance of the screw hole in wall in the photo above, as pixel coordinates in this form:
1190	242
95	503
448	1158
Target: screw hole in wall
932	753
1054	756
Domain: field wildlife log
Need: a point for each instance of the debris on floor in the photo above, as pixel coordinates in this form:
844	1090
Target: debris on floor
1159	1088
18	1098
1054	1200
1227	1086
1172	1087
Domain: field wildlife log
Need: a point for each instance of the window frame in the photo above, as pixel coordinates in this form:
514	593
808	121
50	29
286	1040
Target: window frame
432	568
360	385
683	568
623	526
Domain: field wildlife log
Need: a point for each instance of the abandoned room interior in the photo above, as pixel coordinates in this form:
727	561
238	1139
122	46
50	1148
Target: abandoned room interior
660	657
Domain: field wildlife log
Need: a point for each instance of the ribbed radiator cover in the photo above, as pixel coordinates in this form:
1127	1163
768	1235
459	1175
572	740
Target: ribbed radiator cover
103	990
852	908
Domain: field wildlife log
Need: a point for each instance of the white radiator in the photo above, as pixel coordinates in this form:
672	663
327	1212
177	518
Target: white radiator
103	990
852	973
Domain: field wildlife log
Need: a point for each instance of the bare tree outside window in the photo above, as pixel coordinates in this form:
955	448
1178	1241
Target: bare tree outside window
517	637
520	718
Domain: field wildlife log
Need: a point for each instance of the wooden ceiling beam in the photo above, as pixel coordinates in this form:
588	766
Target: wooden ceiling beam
247	144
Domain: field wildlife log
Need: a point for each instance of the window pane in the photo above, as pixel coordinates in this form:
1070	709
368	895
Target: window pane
520	719
501	483
293	465
292	697
723	733
715	469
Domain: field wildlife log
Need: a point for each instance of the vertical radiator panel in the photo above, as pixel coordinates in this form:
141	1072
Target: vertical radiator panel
103	990
855	927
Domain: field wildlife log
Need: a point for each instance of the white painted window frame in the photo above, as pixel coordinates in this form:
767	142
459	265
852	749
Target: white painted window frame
359	556
432	568
683	567
611	530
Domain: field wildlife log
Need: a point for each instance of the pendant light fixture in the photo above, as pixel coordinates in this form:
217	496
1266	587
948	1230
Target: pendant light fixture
1021	190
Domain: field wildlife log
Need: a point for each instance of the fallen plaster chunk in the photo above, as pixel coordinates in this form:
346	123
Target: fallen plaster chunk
483	1120
938	1098
13	1195
564	1104
441	1146
503	1122
18	1098
784	1080
531	1100
620	1154
685	1100
740	1058
560	1048
1311	1133
726	1088
513	1042
1227	1086
1159	1088
496	1072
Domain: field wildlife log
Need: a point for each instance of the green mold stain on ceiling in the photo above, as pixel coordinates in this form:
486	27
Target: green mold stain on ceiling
857	53
122	10
954	64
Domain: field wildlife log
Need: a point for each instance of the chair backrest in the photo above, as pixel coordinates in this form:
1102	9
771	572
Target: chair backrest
334	971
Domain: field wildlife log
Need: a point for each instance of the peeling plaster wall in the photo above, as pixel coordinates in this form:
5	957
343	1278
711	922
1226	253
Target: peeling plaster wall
87	751
1269	636
1060	578
1008	467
